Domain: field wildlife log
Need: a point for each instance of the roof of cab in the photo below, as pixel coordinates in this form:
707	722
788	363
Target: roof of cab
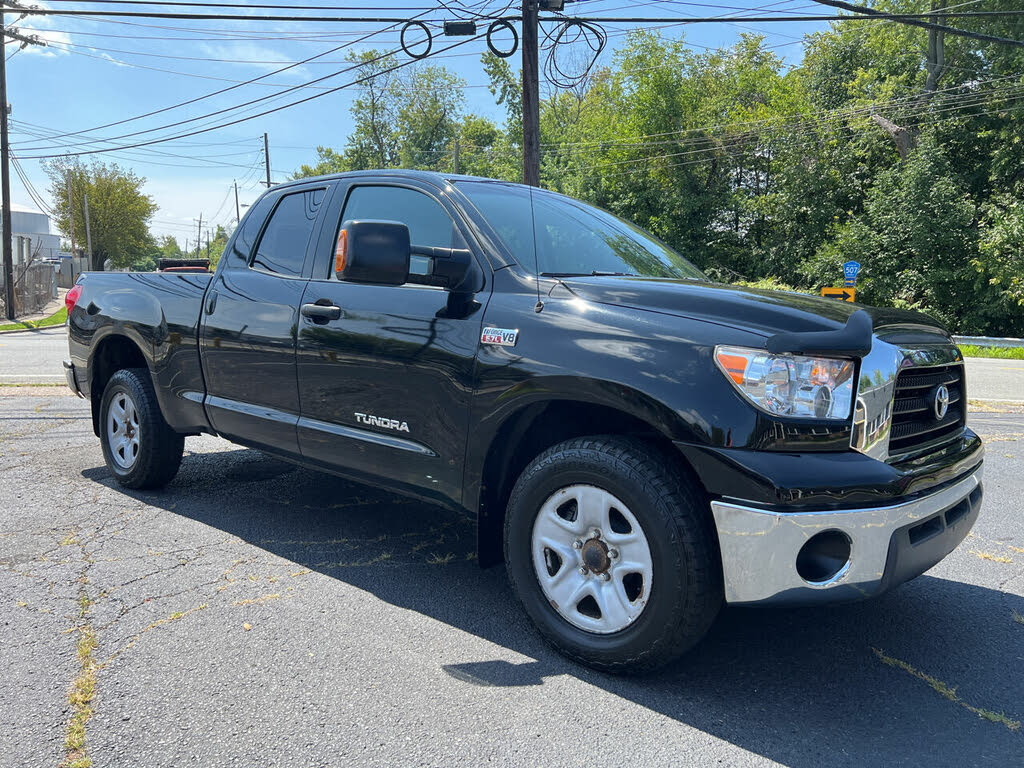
435	177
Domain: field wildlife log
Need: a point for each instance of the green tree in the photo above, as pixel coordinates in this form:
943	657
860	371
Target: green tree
119	212
915	240
217	243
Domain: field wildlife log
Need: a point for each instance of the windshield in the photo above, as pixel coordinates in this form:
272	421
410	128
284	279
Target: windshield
565	237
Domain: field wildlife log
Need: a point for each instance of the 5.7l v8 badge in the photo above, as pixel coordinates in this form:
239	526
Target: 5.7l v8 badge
503	337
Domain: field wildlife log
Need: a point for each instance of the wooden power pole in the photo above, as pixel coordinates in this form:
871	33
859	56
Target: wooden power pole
238	214
531	95
88	234
266	157
5	183
71	220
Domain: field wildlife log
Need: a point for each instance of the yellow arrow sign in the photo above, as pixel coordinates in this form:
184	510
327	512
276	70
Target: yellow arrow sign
843	294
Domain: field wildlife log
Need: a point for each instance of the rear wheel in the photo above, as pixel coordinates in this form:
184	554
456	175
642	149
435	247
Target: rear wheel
139	447
611	552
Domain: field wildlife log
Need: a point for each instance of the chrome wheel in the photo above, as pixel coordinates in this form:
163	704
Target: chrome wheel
123	430
592	559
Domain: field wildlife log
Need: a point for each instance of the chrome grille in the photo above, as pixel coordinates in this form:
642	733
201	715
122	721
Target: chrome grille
914	425
894	417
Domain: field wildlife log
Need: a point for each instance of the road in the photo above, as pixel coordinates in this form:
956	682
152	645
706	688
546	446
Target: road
1001	380
33	357
255	613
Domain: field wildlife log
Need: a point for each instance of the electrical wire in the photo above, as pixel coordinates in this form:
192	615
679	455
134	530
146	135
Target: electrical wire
573	32
222	90
33	193
236	121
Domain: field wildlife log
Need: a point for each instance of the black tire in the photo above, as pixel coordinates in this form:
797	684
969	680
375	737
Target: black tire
686	590
159	447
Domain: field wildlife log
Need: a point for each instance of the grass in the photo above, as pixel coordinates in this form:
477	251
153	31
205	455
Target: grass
83	690
57	318
1000	353
947	691
990	556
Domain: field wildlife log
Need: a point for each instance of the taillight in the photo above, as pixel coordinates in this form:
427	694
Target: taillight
72	297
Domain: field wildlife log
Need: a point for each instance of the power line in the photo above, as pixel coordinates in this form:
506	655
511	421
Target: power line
236	121
218	92
226	16
33	193
176	3
914	20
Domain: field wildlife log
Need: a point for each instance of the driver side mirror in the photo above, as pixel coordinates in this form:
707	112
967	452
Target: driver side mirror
373	252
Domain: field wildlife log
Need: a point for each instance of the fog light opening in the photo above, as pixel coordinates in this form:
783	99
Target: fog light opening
824	557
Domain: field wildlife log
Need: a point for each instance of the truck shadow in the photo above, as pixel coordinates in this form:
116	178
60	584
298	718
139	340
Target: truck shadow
864	684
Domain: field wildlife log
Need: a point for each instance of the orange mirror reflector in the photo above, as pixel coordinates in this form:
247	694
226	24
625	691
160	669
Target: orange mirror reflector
341	251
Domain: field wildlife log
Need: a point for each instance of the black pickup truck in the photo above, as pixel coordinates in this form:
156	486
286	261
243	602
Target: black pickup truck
638	444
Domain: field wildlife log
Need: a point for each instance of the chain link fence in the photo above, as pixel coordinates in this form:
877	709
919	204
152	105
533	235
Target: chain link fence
35	285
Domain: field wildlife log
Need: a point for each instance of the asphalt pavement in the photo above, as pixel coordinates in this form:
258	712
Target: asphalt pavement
256	613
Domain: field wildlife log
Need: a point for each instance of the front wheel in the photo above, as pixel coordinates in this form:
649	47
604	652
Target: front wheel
611	552
140	448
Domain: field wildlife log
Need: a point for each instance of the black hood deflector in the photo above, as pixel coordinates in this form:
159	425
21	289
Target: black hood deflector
852	340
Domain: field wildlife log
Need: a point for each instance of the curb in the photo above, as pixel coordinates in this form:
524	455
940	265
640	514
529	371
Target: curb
31	330
32	379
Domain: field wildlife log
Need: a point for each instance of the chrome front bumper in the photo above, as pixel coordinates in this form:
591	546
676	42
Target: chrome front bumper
888	545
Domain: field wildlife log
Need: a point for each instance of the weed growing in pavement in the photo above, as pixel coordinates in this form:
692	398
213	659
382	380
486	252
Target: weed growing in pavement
947	691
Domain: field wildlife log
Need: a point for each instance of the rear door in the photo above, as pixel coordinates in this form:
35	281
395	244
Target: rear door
385	386
251	319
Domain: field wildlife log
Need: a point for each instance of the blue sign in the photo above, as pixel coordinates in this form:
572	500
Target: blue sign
850	270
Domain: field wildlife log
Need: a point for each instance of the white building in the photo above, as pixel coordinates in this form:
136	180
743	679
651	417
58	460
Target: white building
31	236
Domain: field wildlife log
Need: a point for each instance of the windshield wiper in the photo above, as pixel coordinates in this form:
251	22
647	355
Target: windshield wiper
595	273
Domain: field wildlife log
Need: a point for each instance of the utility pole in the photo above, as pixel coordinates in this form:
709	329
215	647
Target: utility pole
238	215
455	157
5	183
266	157
531	95
207	243
199	234
88	233
5	159
71	218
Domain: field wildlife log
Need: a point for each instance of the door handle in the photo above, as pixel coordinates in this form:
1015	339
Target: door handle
211	303
321	313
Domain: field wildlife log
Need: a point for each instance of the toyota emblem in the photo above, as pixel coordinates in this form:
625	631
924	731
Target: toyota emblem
940	402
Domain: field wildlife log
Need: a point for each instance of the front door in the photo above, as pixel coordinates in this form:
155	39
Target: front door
251	319
385	387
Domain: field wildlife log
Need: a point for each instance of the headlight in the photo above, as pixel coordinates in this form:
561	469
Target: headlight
790	385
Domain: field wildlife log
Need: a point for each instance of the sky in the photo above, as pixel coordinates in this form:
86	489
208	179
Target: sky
96	71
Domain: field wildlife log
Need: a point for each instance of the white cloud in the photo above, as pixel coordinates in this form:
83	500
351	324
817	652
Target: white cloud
252	55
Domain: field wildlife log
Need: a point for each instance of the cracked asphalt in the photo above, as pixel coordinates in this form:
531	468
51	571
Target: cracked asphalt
257	614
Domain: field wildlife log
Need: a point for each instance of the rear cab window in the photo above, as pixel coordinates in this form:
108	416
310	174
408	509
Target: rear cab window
285	240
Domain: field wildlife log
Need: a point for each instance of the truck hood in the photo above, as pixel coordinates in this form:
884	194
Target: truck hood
758	311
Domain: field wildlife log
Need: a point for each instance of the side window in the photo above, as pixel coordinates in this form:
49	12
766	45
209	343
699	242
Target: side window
241	248
282	248
428	222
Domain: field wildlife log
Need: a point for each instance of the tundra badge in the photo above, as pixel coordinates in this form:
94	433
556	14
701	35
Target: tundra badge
377	421
504	337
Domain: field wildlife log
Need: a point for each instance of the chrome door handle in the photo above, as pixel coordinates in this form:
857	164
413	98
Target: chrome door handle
321	312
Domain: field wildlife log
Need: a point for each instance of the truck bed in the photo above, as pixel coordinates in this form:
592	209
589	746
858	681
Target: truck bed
160	312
